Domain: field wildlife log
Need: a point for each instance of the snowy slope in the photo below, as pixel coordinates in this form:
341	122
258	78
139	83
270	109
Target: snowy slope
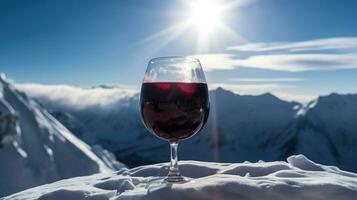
296	179
36	149
326	131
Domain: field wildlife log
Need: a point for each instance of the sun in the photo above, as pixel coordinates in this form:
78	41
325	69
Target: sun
204	22
205	15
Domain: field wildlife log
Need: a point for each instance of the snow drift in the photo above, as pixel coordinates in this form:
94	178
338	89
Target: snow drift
36	149
296	179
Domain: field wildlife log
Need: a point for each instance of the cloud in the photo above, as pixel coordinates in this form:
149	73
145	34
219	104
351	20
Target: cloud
216	61
71	97
266	80
299	62
300	56
281	62
318	44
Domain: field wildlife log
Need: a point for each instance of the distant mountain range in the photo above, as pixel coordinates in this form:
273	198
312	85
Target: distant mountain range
239	128
36	149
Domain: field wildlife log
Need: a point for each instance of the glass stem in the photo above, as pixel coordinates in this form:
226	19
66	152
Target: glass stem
174	173
174	164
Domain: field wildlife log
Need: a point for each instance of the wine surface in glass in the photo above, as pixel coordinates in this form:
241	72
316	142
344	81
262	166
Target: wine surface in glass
174	110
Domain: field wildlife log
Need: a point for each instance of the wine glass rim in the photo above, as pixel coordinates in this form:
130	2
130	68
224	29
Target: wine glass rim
165	59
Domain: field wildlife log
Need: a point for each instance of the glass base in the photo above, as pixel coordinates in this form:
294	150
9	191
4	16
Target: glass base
177	179
159	183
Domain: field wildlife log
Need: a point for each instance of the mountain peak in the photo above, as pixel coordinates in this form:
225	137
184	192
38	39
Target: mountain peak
271	97
268	95
223	92
2	77
104	86
220	89
336	97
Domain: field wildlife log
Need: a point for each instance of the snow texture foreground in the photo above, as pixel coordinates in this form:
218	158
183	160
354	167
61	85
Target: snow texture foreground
298	178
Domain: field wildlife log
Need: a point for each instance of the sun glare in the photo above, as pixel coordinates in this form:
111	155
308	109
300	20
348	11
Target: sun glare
208	20
205	15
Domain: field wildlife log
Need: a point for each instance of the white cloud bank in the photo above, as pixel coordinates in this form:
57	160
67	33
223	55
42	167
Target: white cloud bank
66	97
300	62
71	97
300	56
272	80
318	44
211	62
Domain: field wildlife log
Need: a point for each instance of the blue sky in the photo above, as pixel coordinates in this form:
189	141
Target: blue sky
295	49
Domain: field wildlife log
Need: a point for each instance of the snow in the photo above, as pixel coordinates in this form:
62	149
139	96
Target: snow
304	109
36	149
19	149
296	179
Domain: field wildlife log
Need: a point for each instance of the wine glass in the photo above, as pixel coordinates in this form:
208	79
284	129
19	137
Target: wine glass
174	103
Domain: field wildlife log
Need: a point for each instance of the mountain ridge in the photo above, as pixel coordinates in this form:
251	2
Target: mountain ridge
240	128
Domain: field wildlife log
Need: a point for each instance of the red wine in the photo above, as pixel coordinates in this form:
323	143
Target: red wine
174	111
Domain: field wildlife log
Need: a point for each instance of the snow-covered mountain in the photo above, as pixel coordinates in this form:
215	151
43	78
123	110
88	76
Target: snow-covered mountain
296	179
326	131
239	128
36	149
